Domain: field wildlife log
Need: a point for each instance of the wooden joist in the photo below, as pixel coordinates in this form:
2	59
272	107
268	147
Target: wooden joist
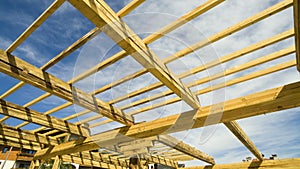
104	17
28	73
268	101
223	59
89	162
291	163
232	29
26	114
161	160
185	148
297	31
6	131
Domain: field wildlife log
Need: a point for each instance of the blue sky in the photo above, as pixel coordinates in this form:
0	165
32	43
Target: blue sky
273	133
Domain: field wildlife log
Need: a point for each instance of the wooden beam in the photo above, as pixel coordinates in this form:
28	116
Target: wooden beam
170	27
291	163
6	131
8	141
272	100
28	73
232	29
35	164
297	31
104	17
242	136
226	58
129	7
56	164
77	44
161	160
182	20
26	114
48	12
89	162
185	148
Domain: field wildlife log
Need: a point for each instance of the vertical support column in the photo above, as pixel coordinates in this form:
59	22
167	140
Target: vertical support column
56	163
34	164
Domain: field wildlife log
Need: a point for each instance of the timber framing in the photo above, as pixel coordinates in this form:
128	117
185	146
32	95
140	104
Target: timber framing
149	142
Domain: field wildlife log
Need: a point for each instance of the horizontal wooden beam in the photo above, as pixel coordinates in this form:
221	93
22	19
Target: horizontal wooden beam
6	131
28	73
185	148
104	17
297	31
26	114
272	100
291	163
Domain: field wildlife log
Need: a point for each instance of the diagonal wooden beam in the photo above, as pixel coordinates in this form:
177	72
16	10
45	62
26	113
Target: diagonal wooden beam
234	127
185	148
30	74
297	31
104	17
22	113
42	18
272	100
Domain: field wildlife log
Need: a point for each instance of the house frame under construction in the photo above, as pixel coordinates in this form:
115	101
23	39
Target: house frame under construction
147	142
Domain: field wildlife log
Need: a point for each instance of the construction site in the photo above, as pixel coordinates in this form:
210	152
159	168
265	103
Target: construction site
135	84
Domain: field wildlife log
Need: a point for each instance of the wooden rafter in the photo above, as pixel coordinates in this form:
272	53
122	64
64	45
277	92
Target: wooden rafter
31	116
133	45
48	12
268	101
22	70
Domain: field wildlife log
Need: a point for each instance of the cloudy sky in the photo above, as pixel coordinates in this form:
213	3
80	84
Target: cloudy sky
272	133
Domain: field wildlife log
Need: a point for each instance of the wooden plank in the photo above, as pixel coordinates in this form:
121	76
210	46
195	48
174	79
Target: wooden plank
297	31
6	131
185	148
241	135
276	99
232	29
48	12
291	163
101	15
26	114
28	73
